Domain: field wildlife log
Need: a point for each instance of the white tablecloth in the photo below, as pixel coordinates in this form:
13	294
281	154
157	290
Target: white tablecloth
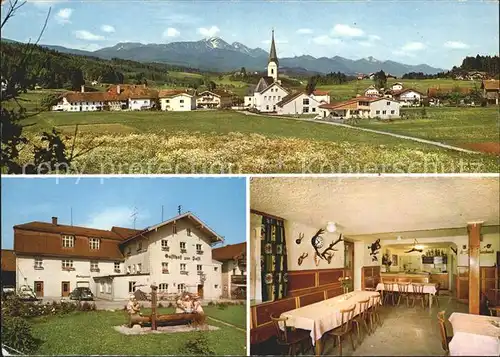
474	335
325	315
428	288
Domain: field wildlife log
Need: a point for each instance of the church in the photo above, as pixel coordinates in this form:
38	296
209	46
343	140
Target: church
269	96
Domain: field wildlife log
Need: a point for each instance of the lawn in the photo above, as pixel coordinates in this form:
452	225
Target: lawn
92	333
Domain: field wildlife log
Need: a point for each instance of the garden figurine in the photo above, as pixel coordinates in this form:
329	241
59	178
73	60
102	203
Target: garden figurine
133	307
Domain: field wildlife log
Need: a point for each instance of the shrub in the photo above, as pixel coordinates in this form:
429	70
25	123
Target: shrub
16	333
170	304
160	305
222	305
211	303
198	345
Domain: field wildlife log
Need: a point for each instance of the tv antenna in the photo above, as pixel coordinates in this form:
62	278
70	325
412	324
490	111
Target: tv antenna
134	215
179	209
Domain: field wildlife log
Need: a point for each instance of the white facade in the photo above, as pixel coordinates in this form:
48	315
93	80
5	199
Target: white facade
323	98
384	109
272	70
410	97
139	104
302	104
178	103
372	92
229	269
397	86
82	106
266	100
52	275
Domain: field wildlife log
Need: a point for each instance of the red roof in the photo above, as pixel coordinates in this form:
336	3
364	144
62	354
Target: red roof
351	103
229	252
8	260
491	84
320	92
71	230
164	93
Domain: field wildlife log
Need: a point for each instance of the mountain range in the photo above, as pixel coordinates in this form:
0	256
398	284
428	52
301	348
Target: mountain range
215	54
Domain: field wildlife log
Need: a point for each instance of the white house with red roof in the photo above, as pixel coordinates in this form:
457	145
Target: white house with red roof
362	107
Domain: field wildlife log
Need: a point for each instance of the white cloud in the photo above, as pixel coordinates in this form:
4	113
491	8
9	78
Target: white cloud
268	42
304	31
374	37
347	31
113	216
326	40
43	3
366	43
208	32
455	45
171	32
88	36
63	16
107	28
413	46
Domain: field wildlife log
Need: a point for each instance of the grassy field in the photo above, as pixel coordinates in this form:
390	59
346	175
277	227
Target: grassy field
92	333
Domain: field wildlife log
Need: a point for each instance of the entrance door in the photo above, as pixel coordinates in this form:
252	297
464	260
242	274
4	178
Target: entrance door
39	288
200	291
349	262
65	289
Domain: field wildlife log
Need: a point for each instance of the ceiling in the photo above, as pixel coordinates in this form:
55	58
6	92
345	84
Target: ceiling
368	206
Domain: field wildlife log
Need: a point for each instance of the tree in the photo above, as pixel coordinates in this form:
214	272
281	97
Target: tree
380	80
243	72
49	100
211	85
311	85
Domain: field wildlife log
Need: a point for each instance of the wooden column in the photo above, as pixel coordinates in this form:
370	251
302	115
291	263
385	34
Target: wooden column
154	289
474	230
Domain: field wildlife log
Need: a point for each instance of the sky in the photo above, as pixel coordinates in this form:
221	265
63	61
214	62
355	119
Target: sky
106	202
438	32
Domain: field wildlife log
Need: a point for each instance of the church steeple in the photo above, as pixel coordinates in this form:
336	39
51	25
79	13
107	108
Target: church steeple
272	65
273	57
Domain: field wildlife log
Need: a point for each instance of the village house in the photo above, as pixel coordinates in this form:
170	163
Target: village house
298	103
362	107
268	92
491	90
234	272
8	269
398	86
408	97
176	100
371	91
214	99
176	255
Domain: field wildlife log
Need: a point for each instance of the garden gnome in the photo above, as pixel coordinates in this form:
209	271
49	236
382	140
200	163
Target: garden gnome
133	307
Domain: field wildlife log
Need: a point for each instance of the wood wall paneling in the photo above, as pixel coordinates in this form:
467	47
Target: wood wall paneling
474	231
370	277
309	299
264	311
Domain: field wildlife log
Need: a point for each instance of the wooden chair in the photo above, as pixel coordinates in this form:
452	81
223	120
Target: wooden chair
403	293
345	329
418	293
445	339
373	312
435	298
289	338
361	318
389	293
493	301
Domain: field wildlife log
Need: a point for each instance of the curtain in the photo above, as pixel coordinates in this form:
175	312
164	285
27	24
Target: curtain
274	270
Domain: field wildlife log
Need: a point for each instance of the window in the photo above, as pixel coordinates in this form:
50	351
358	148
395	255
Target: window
234	271
38	264
133	269
168	100
181	101
384	111
279	97
94	266
117	267
183	268
101	287
139	267
94	243
267	107
68	241
180	288
265	97
67	264
377	112
388	103
274	97
183	247
199	267
313	110
216	269
272	71
108	288
164	245
174	229
189	232
306	110
198	246
392	111
164	267
163	288
305	101
128	269
216	286
139	246
131	286
129	251
145	102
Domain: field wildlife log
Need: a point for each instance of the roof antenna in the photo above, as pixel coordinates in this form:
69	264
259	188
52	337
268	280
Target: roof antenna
179	209
134	215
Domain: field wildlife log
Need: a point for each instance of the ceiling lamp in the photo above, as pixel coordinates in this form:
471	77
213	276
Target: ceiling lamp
331	227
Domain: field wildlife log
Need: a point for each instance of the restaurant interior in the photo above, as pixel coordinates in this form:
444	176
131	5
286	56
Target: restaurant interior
375	265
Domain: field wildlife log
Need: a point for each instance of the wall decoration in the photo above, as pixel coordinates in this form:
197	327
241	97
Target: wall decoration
374	247
302	257
394	259
299	240
386	260
487	250
464	249
454	250
317	242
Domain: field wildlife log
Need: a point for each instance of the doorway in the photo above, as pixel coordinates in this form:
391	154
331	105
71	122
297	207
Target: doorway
349	262
65	289
200	291
39	288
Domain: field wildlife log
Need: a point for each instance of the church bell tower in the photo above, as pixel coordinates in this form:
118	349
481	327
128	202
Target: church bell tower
272	65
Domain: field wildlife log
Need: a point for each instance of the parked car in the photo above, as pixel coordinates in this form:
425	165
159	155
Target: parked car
81	293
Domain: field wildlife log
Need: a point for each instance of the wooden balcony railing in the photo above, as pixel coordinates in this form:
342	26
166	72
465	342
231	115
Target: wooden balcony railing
238	279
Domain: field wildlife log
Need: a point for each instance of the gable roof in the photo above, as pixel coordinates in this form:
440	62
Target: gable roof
124	232
213	236
371	87
229	252
263	83
217	93
320	92
399	92
492	84
434	91
69	230
277	85
168	93
352	103
8	260
272	53
289	98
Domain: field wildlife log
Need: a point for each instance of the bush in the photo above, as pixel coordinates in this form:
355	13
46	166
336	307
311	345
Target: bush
16	333
170	304
222	305
211	303
198	345
160	305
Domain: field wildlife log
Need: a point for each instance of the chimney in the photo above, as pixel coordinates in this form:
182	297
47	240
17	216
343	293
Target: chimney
118	89
83	88
54	221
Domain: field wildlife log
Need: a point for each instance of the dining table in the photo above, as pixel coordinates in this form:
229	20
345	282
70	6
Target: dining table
324	316
429	289
474	335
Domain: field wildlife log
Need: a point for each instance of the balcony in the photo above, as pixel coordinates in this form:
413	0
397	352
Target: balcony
239	279
165	249
200	252
183	250
184	272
